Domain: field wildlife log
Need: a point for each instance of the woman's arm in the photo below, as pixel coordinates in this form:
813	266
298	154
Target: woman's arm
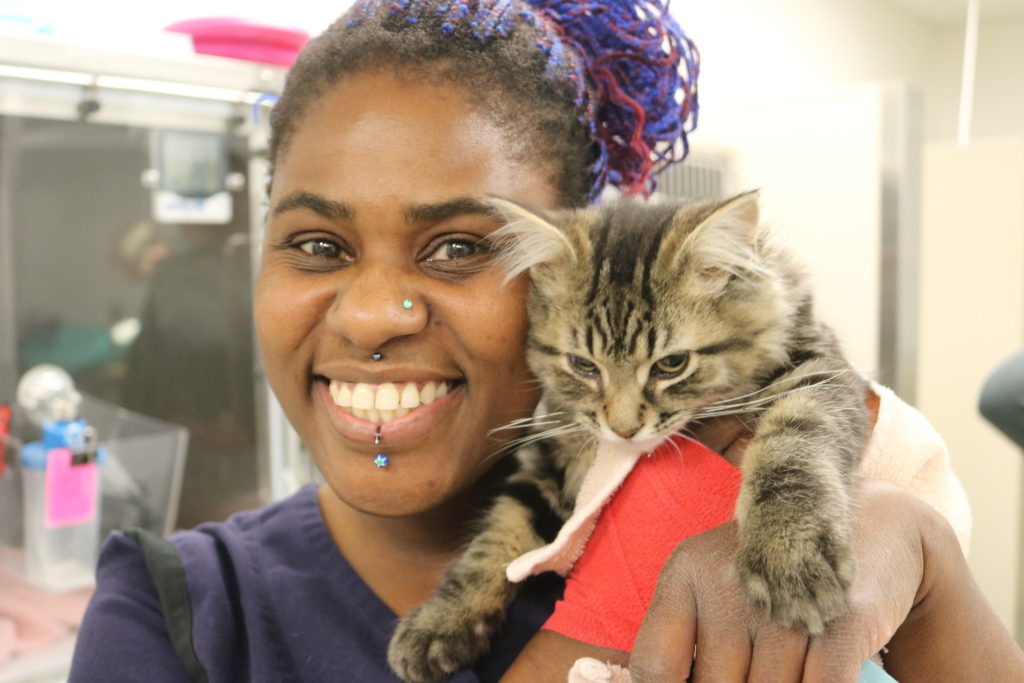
123	636
951	633
549	656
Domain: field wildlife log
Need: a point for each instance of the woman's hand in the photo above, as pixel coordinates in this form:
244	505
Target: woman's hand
700	606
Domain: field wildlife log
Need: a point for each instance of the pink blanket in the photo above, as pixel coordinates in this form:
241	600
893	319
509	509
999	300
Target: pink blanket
32	618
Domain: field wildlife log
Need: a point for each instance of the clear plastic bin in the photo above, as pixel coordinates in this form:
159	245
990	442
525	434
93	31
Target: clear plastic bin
139	486
57	558
143	470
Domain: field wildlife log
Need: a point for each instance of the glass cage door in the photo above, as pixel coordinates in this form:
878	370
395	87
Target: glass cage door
127	231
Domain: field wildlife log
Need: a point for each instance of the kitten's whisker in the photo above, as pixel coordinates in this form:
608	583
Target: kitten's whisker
525	425
675	446
831	374
731	407
570	428
530	421
516	444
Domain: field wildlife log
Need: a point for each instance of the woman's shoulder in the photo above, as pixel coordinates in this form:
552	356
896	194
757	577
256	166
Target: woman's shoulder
234	592
290	531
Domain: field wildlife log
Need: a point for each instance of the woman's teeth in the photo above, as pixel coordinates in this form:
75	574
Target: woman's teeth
382	403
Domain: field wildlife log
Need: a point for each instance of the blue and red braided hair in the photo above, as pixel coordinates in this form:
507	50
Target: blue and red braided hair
608	90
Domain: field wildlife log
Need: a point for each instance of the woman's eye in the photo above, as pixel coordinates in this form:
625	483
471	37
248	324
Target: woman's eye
583	366
320	248
455	249
670	366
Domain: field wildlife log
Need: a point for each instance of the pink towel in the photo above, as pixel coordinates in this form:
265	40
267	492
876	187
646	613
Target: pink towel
32	618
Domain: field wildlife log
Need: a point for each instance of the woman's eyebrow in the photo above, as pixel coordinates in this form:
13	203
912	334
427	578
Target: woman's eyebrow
432	213
328	208
418	213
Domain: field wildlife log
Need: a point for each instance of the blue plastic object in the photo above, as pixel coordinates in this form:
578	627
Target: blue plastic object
872	673
59	434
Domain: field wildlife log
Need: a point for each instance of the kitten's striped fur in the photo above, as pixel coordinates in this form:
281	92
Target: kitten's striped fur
644	317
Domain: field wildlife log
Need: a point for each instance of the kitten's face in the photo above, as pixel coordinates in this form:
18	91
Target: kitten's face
648	313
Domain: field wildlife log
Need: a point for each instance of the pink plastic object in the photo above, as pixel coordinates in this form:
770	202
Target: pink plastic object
70	490
242	39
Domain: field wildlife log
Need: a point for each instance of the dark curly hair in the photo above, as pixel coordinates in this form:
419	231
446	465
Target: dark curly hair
586	89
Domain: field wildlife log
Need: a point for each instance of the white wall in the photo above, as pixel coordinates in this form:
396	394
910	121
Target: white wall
973	273
754	48
827	213
999	90
751	49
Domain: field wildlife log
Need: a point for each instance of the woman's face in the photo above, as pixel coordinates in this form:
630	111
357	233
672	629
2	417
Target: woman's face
377	200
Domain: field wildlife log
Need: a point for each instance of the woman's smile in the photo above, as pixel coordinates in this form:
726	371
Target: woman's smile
360	410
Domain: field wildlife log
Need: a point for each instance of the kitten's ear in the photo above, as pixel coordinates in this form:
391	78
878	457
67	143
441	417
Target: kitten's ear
722	244
526	240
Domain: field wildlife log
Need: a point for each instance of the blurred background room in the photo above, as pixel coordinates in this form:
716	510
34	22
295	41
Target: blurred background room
886	136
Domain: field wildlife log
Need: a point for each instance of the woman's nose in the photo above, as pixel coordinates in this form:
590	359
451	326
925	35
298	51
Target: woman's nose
375	305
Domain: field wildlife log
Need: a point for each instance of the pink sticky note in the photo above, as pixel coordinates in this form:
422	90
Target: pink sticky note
70	490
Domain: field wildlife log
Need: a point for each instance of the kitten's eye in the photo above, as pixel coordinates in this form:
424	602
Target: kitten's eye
454	249
320	248
670	366
584	366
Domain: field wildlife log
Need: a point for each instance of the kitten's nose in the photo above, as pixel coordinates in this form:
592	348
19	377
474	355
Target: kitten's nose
626	433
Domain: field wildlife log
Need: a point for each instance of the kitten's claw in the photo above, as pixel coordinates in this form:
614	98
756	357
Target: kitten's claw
431	643
802	583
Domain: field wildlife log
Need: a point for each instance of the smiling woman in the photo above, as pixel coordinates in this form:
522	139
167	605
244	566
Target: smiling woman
377	199
395	348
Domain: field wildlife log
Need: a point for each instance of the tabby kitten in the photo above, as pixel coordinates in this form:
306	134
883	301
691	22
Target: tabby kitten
643	318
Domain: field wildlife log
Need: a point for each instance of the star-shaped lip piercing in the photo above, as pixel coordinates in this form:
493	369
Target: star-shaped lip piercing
381	460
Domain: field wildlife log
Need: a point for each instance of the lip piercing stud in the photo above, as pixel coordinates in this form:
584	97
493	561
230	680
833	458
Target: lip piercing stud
381	460
407	304
377	356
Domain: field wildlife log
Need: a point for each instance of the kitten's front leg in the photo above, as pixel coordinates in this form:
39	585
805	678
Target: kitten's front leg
453	628
794	510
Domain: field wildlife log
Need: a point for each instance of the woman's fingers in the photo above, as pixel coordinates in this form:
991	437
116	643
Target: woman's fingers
779	654
725	622
664	646
838	655
723	649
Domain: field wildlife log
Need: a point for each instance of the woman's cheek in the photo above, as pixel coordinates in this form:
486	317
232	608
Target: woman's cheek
288	310
509	314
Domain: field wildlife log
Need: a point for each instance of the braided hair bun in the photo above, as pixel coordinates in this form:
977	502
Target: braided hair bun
643	70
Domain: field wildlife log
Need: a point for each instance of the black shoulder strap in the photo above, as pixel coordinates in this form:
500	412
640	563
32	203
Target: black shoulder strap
164	565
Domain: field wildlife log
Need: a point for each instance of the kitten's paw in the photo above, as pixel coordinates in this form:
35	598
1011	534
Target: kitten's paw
802	582
432	642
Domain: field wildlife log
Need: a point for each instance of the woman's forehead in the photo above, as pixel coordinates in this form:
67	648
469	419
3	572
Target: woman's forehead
378	135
